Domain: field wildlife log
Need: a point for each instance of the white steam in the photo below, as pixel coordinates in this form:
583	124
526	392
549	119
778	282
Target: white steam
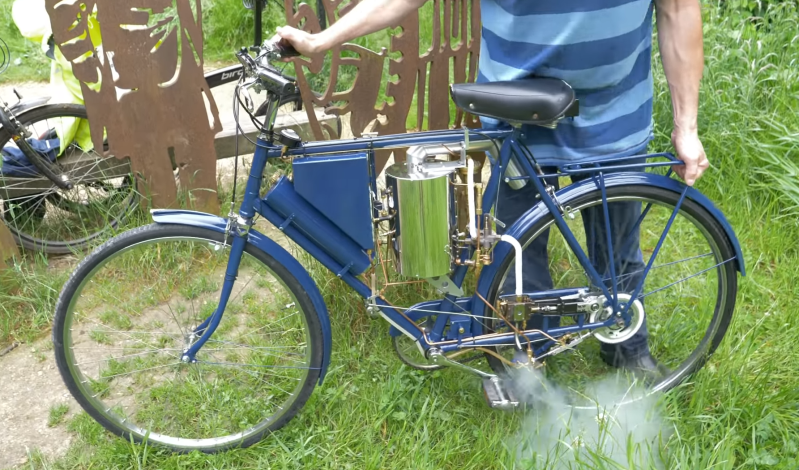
617	426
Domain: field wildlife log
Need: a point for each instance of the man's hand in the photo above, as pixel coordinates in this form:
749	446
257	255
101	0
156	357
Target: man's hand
367	17
690	150
681	51
305	43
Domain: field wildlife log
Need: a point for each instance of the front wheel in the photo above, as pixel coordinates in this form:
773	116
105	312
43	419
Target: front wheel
687	299
129	310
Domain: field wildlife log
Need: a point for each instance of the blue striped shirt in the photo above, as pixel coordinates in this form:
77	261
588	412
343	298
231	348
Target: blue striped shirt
602	48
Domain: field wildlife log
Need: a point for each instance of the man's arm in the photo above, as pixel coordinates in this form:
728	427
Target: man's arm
679	24
366	18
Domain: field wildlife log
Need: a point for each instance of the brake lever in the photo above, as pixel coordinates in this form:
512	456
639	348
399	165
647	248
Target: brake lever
246	61
281	49
244	92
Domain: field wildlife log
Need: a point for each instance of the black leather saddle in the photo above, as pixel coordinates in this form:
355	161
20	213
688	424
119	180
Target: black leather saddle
526	101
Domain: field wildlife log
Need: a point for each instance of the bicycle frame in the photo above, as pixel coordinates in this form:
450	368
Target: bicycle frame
453	311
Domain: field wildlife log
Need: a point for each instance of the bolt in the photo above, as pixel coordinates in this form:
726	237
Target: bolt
461	330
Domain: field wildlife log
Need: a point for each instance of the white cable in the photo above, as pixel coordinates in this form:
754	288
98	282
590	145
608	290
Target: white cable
518	248
470	196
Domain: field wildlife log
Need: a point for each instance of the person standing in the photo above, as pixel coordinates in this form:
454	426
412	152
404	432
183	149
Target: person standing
603	49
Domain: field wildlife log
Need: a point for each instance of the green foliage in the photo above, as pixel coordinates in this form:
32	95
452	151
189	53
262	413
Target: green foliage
743	9
228	26
27	61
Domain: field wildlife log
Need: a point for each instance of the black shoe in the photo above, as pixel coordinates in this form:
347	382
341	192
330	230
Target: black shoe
641	365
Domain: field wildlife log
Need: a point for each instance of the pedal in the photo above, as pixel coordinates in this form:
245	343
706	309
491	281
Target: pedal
498	396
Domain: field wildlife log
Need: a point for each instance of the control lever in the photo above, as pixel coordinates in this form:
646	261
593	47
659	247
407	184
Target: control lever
246	60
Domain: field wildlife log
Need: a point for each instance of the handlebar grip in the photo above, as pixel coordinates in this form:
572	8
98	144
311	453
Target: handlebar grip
285	49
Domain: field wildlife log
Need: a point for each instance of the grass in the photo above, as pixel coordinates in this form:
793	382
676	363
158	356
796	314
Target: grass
739	412
27	61
57	414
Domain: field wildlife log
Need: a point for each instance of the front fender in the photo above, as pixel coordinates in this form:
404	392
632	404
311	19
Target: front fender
576	190
270	247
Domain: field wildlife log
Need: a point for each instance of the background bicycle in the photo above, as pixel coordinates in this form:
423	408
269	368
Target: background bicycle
100	191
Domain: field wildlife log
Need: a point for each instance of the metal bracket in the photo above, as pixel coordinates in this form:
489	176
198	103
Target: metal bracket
286	223
445	285
344	269
238	226
551	193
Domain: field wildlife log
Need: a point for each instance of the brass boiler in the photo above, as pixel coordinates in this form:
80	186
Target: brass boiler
423	196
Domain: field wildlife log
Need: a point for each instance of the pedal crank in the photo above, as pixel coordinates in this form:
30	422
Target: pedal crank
497	395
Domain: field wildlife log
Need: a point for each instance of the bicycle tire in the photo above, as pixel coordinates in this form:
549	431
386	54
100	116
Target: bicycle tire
724	307
73	291
25	236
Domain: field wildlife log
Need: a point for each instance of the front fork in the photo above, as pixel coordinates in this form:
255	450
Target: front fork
204	330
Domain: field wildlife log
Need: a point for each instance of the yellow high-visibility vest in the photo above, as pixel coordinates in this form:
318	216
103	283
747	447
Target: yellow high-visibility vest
30	16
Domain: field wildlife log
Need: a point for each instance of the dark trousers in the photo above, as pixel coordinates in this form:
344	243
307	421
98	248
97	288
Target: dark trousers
629	263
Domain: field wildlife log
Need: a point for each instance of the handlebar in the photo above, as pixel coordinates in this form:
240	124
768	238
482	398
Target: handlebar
269	78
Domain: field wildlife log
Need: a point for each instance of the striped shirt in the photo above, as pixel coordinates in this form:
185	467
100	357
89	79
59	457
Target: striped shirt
602	48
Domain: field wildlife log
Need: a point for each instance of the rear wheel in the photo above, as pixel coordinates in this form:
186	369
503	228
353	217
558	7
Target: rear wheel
131	308
687	298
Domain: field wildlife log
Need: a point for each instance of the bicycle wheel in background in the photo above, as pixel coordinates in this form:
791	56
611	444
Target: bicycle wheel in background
45	217
125	316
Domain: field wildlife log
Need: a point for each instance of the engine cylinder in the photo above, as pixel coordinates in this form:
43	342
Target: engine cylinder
423	221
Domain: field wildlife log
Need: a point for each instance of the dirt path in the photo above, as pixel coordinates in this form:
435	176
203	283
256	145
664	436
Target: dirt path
31	387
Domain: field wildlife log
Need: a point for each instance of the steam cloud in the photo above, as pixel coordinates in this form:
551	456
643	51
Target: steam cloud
619	426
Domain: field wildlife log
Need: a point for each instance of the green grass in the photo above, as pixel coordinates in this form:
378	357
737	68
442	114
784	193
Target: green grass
33	65
57	414
739	412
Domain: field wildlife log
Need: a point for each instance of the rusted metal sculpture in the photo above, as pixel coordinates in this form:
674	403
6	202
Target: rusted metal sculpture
8	247
455	46
145	91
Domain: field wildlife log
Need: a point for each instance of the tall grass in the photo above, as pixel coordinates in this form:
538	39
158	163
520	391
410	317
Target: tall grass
739	412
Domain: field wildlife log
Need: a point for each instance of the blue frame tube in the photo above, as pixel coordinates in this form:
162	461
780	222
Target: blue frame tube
382	142
612	259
